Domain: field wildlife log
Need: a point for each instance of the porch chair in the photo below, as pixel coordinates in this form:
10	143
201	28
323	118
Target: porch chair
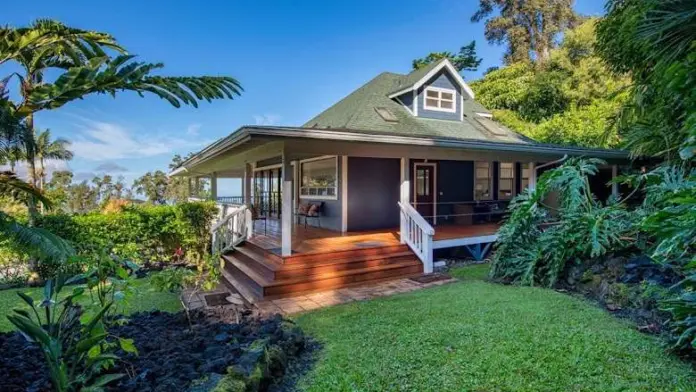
313	210
255	216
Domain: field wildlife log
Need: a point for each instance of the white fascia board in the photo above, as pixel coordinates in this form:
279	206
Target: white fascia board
445	64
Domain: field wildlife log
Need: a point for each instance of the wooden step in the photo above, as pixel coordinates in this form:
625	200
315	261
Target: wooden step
236	282
342	278
288	271
257	261
258	249
344	254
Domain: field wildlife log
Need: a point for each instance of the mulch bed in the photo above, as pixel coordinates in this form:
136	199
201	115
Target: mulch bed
172	354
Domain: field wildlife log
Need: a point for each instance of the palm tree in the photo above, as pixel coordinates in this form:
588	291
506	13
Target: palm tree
34	240
88	69
50	149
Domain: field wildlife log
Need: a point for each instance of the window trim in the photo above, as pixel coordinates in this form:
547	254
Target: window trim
513	191
490	180
439	91
317	197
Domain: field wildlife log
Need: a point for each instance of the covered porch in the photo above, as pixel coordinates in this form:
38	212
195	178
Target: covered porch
405	191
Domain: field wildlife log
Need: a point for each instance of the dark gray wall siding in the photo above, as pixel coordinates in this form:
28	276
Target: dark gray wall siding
444	80
332	208
373	191
407	99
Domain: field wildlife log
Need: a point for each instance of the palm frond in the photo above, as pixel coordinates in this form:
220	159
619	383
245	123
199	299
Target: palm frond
52	38
19	190
33	239
108	76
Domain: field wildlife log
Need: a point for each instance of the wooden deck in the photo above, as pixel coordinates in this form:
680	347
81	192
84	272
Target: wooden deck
317	240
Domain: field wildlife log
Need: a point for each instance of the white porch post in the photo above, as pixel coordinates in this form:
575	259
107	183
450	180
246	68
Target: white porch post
196	186
344	193
246	187
405	194
189	180
286	216
614	186
213	186
532	176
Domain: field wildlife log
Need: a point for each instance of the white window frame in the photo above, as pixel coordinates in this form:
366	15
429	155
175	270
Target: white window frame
490	181
513	191
439	91
317	197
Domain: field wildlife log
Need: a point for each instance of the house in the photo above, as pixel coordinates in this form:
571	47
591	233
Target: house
403	166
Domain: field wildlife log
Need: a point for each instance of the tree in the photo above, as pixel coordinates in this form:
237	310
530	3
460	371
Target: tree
85	68
529	28
574	99
50	149
178	190
153	186
58	188
653	42
465	60
82	198
34	240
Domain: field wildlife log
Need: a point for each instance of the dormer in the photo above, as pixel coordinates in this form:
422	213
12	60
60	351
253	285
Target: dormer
436	91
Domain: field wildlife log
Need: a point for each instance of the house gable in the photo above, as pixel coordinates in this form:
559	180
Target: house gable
440	82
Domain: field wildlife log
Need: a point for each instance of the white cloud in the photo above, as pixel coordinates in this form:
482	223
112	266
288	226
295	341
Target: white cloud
102	141
193	129
110	167
266	119
22	168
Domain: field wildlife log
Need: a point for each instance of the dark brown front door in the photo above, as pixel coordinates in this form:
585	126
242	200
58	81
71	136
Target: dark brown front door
424	193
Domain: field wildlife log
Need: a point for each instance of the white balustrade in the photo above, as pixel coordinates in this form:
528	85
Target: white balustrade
418	234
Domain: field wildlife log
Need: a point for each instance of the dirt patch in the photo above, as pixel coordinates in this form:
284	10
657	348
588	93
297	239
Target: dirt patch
175	355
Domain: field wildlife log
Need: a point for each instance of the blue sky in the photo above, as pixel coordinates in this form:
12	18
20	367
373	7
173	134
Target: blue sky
293	58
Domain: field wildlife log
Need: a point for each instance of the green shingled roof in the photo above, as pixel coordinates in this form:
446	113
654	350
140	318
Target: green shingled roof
357	111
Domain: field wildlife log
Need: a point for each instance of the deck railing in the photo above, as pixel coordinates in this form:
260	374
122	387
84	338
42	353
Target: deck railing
233	200
234	227
418	234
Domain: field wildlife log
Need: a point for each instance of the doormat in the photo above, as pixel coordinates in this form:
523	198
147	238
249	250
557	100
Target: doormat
429	278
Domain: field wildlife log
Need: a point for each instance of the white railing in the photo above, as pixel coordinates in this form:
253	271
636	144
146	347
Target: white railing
418	234
234	227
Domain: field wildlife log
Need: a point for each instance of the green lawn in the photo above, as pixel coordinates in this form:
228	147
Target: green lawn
145	298
477	336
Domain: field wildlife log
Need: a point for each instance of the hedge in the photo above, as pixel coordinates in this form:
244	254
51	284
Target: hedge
139	233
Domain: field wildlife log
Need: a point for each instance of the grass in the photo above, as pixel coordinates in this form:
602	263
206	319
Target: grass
478	336
145	298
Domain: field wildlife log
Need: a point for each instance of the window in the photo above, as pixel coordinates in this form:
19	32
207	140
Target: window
482	185
319	178
422	181
526	172
440	99
506	181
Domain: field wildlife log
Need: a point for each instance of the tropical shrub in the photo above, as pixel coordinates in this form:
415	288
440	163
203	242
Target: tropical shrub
538	241
139	233
75	348
172	279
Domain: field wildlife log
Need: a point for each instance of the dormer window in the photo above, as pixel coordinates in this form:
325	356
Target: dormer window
440	99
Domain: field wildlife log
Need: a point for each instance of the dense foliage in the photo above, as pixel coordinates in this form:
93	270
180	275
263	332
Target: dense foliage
572	99
538	240
464	60
653	40
139	233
